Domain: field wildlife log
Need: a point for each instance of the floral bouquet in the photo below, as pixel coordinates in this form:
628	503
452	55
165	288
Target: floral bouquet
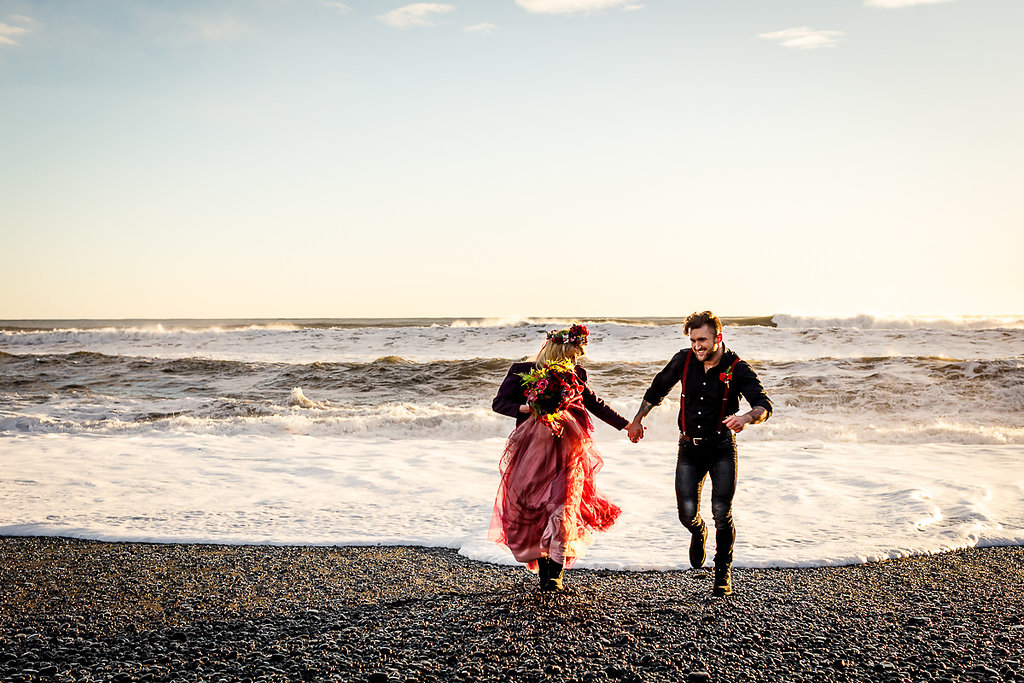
550	389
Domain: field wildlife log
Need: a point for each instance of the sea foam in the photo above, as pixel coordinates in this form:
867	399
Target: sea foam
795	505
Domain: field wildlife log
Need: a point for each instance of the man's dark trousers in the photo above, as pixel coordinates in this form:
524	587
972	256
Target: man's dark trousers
717	458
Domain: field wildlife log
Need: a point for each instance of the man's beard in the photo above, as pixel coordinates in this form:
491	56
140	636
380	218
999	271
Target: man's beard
707	353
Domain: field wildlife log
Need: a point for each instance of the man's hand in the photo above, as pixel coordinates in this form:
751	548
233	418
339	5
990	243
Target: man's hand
738	423
635	430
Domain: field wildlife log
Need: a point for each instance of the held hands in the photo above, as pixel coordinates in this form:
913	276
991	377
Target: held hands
635	430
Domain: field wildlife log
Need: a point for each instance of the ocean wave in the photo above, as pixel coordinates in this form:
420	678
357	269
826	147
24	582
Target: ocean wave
881	322
224	326
142	328
609	342
878	390
297	415
302	412
513	321
669	321
387	376
72	331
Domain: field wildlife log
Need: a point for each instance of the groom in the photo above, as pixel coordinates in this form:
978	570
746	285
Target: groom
712	378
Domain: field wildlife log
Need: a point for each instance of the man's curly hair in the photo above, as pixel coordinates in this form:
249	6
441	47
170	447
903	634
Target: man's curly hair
695	320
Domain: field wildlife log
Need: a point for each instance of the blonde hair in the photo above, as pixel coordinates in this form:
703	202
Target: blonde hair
553	352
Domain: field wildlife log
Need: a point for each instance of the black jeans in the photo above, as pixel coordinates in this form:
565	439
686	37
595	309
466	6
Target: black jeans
693	466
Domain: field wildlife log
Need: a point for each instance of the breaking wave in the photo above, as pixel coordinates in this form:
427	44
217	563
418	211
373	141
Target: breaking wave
879	322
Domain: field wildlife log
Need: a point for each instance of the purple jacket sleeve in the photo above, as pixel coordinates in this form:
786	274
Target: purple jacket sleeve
510	394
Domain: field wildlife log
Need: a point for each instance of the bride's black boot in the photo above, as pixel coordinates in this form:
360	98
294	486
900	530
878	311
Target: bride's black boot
545	573
555	576
550	575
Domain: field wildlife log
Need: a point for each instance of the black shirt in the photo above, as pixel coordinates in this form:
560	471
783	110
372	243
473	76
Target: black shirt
704	391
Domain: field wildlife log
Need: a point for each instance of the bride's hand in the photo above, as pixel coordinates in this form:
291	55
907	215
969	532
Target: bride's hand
635	431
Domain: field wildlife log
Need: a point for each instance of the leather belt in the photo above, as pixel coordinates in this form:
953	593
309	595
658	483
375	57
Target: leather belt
705	440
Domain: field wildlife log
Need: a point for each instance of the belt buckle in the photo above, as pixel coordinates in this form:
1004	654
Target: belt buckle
697	440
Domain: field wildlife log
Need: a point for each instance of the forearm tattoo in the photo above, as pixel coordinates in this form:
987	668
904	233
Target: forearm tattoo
645	408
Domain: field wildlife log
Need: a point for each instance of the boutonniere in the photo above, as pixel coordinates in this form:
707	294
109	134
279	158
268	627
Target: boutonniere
726	376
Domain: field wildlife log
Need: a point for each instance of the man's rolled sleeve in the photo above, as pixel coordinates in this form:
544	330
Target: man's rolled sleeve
666	379
751	389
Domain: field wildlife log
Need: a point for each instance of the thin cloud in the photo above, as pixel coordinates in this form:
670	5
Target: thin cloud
480	28
572	6
804	38
891	4
416	14
216	29
633	8
20	26
341	7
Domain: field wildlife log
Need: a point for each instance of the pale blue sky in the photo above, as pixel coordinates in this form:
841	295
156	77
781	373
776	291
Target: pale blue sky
302	158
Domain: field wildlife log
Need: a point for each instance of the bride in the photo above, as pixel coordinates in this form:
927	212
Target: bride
547	501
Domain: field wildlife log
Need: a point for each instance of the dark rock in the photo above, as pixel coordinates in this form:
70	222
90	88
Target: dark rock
444	618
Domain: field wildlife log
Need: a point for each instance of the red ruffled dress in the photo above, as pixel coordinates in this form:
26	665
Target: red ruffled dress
547	502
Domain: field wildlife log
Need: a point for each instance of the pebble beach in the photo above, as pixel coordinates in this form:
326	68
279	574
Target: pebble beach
75	610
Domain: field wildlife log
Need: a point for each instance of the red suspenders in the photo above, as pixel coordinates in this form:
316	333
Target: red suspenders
682	398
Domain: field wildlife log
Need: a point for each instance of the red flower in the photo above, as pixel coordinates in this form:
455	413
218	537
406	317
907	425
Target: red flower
576	334
551	389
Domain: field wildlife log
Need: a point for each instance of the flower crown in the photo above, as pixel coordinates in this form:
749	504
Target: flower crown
577	334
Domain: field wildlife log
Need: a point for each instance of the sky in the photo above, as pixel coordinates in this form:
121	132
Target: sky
373	158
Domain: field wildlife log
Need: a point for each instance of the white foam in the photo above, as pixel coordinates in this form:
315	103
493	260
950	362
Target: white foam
914	422
821	504
299	399
867	321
